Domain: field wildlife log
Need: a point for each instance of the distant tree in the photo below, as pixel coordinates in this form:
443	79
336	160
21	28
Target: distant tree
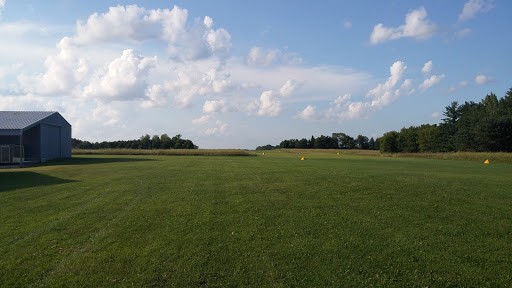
491	105
377	144
265	147
408	140
429	138
79	144
165	141
372	145
325	142
145	142
302	144
344	141
389	142
362	142
155	142
506	104
452	113
187	144
311	142
176	141
104	145
465	135
446	139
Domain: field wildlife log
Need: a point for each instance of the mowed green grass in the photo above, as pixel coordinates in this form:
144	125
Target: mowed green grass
267	221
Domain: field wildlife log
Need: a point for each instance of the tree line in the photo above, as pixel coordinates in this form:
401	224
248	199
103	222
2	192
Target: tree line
144	142
336	141
471	126
474	127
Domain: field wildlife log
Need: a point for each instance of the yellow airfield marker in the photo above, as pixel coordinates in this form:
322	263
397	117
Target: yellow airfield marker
487	161
302	158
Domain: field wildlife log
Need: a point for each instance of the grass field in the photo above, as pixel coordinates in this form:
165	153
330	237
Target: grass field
166	152
267	221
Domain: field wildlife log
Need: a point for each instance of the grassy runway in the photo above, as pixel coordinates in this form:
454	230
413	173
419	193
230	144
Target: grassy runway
267	221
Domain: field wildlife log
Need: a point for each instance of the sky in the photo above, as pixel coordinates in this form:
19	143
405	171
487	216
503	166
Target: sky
241	74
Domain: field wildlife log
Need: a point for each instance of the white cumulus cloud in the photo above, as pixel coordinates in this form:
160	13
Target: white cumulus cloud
105	115
215	82
156	96
416	26
219	129
208	22
258	56
134	24
201	120
219	41
385	93
474	7
197	79
308	113
269	104
119	23
482	79
214	106
431	81
123	79
427	67
63	72
407	86
349	110
288	88
82	65
380	96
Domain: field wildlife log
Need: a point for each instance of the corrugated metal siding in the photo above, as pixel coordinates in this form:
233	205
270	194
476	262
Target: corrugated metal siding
50	142
55	138
32	143
65	142
64	134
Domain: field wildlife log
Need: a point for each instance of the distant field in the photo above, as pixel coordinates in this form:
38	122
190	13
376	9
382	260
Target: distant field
342	220
168	152
474	156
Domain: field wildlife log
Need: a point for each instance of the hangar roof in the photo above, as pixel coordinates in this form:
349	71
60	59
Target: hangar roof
19	120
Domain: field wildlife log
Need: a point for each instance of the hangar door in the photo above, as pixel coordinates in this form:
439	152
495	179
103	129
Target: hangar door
50	142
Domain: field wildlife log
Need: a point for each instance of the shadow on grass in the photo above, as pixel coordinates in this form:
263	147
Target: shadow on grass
27	179
93	160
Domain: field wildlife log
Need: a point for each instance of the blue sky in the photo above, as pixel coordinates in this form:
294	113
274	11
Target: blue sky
239	74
